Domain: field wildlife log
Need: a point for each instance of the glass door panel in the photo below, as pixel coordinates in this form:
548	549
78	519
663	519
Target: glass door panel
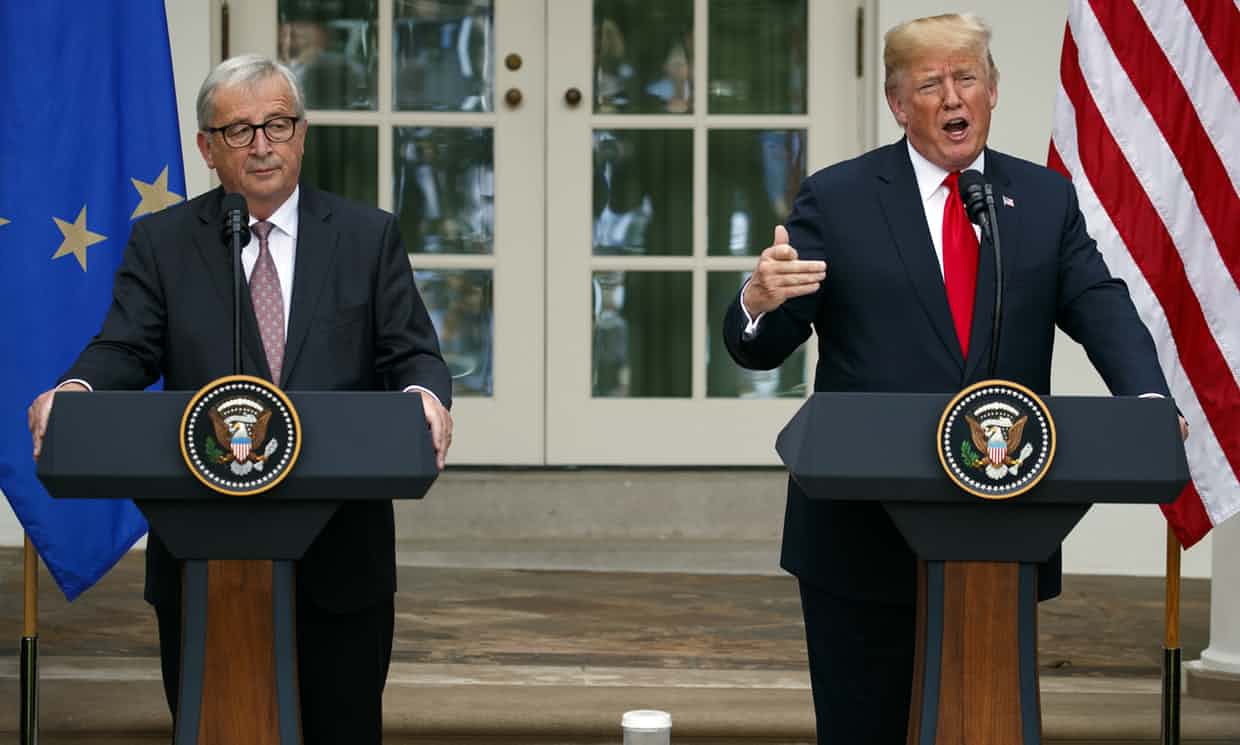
404	115
661	195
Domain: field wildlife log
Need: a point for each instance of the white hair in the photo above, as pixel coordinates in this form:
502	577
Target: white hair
245	69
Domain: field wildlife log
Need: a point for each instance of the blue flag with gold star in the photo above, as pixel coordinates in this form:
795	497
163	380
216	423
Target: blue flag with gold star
88	143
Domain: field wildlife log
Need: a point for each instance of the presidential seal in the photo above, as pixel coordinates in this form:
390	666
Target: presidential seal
240	435
996	439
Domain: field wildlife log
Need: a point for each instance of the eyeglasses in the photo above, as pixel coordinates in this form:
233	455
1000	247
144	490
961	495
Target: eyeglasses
277	129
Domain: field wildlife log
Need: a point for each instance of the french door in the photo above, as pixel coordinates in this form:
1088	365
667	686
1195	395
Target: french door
582	186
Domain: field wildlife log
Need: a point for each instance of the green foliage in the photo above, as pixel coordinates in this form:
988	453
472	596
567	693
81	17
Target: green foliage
212	449
970	456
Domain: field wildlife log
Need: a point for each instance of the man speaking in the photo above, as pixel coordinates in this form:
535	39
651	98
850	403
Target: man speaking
880	260
331	305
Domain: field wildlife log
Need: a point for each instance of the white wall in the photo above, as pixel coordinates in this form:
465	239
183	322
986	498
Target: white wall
1112	539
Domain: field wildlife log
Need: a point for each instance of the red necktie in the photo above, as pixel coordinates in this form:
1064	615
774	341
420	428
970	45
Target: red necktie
959	261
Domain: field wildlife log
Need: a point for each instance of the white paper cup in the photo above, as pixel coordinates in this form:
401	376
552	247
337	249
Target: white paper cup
647	727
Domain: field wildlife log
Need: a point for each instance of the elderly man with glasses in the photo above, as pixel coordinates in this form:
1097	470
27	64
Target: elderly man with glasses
339	311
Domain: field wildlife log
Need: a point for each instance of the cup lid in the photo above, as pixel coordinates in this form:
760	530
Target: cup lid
646	719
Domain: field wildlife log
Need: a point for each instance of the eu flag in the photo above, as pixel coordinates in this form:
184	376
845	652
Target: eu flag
88	144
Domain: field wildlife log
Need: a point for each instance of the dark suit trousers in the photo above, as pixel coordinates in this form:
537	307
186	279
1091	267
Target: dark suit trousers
860	666
342	666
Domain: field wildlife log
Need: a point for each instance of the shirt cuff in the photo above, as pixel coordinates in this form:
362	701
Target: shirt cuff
751	323
79	381
412	388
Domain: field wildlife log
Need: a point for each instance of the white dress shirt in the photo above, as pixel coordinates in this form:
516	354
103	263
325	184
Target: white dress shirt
282	243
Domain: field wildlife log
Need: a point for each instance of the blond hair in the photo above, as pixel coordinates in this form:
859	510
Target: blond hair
950	33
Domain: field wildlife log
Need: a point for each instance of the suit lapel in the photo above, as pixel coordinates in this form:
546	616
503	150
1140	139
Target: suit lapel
984	299
316	253
905	216
218	259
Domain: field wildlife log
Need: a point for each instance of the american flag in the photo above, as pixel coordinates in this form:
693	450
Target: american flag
1147	126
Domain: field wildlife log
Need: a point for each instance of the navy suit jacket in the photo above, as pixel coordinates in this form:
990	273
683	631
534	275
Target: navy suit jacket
883	324
356	322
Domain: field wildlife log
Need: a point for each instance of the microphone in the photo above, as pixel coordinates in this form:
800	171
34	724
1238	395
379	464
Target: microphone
979	204
236	234
236	220
972	186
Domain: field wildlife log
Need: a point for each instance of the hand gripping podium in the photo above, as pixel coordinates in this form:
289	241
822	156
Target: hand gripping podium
238	683
975	674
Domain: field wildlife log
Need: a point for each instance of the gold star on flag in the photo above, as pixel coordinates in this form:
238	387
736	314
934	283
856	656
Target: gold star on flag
77	238
3	221
155	195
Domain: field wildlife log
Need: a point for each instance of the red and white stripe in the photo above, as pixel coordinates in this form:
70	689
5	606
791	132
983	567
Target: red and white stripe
1147	126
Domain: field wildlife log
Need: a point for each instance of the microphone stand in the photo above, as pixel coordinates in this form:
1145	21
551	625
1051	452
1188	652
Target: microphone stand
994	241
235	229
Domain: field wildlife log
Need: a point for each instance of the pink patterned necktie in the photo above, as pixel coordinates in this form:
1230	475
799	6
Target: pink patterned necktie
268	301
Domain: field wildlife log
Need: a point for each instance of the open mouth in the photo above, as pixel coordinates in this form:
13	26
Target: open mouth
956	129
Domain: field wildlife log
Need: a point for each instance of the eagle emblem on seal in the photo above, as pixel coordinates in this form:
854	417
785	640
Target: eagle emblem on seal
240	432
998	437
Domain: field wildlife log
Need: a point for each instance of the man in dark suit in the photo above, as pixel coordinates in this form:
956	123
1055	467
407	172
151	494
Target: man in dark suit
355	321
880	261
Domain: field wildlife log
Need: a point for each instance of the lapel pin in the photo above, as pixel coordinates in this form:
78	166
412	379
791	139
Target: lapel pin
1008	201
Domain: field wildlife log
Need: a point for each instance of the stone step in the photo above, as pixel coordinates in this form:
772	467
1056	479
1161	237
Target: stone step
604	554
663	504
109	699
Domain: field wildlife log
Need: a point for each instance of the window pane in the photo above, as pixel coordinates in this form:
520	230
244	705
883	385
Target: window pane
332	49
344	160
753	177
643	192
642	344
460	305
444	190
444	55
757	57
643	56
725	378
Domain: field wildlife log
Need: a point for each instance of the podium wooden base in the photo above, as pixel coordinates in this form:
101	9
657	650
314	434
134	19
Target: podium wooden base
238	649
975	677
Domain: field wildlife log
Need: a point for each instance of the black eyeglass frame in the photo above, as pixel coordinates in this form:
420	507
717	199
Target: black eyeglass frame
253	128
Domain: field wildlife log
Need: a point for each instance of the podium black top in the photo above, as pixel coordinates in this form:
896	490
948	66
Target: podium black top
881	447
355	446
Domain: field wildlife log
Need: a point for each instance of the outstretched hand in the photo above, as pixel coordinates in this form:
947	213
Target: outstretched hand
780	275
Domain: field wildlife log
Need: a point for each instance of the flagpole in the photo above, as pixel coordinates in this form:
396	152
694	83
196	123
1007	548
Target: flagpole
30	649
1171	646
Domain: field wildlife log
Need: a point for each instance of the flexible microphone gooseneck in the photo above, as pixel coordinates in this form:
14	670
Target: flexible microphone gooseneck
979	204
236	234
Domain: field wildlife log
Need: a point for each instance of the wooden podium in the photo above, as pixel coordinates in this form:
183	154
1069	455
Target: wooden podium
976	671
238	683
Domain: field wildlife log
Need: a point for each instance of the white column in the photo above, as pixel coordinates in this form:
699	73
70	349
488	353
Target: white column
1223	654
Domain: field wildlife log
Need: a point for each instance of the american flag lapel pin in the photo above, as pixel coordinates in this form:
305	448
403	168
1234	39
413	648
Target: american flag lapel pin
1008	201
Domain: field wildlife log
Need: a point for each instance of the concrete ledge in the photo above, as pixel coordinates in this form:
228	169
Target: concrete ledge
1203	682
681	555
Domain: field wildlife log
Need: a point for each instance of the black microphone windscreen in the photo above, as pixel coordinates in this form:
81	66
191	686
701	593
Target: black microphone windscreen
972	186
236	217
235	202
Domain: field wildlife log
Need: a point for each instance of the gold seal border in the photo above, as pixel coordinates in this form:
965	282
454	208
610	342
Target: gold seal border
1050	455
265	385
